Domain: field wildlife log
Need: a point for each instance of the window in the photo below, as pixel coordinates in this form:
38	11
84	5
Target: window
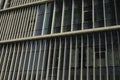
67	15
48	20
40	20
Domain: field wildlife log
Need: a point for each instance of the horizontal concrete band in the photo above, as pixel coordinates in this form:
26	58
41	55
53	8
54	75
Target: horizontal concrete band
25	5
63	34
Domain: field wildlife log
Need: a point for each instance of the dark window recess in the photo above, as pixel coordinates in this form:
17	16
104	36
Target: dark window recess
2	4
48	20
58	16
110	14
67	16
118	10
40	20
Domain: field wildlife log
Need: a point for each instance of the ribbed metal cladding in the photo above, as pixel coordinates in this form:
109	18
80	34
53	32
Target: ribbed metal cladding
59	40
78	57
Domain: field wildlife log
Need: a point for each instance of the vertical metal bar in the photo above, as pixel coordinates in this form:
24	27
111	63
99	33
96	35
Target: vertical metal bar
45	13
63	11
34	60
53	18
36	21
58	70
113	56
23	46
38	61
104	13
28	67
93	14
15	64
76	52
70	57
6	62
53	61
106	57
82	14
87	57
64	61
100	61
73	5
93	56
43	59
48	60
1	76
23	69
81	74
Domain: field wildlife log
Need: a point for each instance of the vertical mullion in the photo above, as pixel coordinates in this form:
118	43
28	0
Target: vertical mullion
39	60
11	26
93	56
58	70
76	42
100	61
5	25
113	56
2	52
48	60
17	21
93	11
43	60
7	61
70	57
106	57
20	23
30	55
81	74
23	70
13	57
23	46
2	28
82	15
24	22
14	24
34	60
2	70
18	26
104	13
36	20
53	18
64	61
87	57
63	11
72	15
15	64
27	22
53	61
29	27
45	13
118	42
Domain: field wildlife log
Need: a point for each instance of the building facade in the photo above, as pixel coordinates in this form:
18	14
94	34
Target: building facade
59	40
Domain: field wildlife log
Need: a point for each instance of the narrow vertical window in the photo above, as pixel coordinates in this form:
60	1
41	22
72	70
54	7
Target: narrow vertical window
88	14
77	14
110	13
99	18
40	19
48	20
58	16
67	15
